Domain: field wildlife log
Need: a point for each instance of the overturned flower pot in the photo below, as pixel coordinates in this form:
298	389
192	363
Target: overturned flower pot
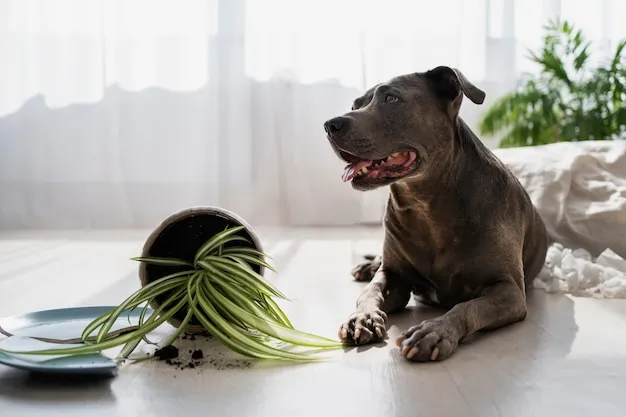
202	270
180	236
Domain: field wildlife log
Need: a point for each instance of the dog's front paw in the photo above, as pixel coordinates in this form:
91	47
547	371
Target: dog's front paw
364	328
366	270
430	340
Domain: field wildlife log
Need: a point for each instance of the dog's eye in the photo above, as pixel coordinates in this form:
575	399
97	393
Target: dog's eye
391	99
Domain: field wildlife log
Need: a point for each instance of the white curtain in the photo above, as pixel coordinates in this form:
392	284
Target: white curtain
115	113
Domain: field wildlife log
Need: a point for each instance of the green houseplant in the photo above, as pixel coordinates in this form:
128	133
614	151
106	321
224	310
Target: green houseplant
201	270
570	99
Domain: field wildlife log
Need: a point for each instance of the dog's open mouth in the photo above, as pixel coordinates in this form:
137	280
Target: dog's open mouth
393	166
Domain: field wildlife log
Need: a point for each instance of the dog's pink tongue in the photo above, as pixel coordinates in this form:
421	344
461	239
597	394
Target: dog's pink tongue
352	169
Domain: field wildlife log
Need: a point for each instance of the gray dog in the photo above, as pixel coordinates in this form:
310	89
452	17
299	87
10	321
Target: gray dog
460	230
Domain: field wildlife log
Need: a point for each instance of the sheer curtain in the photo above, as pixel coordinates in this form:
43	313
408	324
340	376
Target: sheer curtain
114	113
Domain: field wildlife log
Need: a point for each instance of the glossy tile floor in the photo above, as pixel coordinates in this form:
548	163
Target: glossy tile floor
567	359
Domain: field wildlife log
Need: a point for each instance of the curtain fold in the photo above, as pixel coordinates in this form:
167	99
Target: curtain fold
115	113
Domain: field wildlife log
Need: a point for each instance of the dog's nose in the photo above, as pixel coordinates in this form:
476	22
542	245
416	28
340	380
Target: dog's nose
335	125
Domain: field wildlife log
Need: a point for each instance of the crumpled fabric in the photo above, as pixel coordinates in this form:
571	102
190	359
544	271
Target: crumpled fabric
576	272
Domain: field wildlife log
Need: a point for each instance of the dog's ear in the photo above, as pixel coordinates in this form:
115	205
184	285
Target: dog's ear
451	84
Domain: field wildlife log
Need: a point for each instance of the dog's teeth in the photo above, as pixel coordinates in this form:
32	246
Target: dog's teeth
363	171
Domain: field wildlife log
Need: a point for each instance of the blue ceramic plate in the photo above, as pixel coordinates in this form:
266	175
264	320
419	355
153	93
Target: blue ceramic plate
35	331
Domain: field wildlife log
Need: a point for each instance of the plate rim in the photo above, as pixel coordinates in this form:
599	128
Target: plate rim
109	365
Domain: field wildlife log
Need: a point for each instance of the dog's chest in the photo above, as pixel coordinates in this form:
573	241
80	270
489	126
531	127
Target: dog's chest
430	260
441	288
417	241
428	248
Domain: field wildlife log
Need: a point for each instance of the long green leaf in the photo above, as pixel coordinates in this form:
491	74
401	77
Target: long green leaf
148	295
107	344
229	239
94	324
220	249
162	261
214	242
227	341
248	288
231	318
247	346
244	272
242	326
280	314
238	296
169	285
155	292
131	346
155	313
243	267
243	279
250	259
141	334
141	322
245	251
251	346
126	304
271	328
192	289
264	305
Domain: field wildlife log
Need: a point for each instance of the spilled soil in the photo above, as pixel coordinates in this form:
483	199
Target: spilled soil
198	358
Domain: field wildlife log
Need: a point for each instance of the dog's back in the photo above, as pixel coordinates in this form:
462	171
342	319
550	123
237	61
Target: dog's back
510	203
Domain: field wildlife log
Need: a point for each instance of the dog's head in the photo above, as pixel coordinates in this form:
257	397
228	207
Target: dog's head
395	126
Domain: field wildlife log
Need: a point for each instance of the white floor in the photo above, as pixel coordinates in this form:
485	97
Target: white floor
567	359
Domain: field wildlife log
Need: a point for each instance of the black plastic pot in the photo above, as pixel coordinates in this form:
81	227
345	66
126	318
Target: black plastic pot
180	236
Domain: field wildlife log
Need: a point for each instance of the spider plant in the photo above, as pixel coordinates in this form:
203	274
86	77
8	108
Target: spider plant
221	290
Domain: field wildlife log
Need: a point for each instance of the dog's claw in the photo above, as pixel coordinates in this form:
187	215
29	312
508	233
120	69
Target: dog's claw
414	351
343	334
364	328
433	356
431	340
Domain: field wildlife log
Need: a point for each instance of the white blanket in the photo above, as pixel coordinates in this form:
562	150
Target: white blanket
580	191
